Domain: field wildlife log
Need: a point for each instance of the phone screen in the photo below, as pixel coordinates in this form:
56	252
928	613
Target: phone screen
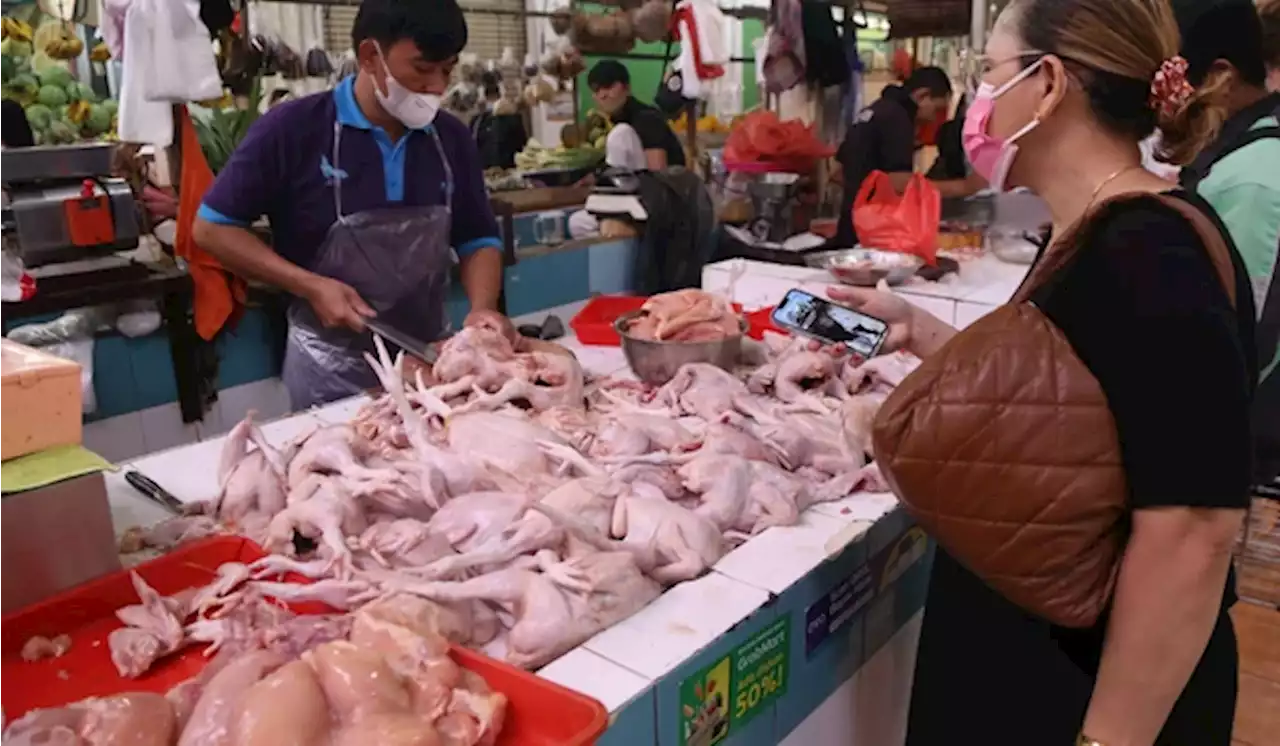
817	317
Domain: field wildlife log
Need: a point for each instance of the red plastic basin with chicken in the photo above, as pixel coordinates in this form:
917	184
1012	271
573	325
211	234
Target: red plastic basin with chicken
593	325
539	712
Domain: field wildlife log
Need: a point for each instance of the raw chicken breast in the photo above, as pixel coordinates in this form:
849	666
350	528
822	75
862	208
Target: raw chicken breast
132	719
285	709
357	682
213	719
389	729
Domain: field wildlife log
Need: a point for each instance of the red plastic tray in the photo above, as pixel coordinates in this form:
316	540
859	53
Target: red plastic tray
593	325
761	321
539	712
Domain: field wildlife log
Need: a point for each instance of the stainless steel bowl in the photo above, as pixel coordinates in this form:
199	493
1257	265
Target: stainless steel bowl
1012	246
656	362
866	267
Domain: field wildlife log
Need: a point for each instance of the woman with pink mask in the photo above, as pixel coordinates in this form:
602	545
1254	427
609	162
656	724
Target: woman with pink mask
1068	88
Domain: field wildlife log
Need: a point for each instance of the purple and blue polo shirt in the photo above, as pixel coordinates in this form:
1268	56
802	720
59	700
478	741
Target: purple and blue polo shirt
283	169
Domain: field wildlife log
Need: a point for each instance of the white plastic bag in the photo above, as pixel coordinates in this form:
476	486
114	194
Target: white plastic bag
182	67
141	120
15	283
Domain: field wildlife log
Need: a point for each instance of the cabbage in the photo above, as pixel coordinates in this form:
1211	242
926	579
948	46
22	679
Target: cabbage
99	119
39	117
61	133
80	92
57	75
51	95
111	105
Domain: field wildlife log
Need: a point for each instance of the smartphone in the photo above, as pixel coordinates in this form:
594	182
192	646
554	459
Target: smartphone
807	314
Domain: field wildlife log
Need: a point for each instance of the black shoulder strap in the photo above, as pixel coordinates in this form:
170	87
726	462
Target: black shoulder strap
1238	133
1252	136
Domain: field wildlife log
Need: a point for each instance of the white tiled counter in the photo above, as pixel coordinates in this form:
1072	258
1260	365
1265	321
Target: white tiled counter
810	629
958	299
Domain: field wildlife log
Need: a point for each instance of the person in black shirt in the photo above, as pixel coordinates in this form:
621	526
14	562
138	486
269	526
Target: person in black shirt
17	130
883	138
498	136
1074	84
610	85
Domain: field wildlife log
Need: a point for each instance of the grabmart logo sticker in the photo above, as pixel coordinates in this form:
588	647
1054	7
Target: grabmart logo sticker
724	696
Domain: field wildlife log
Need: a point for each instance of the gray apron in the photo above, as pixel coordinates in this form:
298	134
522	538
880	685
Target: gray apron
399	260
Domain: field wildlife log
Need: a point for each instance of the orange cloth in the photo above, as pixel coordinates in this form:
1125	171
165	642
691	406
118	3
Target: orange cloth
219	295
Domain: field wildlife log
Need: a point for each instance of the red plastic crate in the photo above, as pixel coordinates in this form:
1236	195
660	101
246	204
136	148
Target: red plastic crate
593	325
539	712
761	321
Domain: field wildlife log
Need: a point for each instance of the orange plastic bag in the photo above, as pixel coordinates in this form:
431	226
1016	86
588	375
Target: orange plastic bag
906	223
761	137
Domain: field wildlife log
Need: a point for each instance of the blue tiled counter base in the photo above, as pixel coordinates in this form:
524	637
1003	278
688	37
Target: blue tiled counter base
836	618
131	374
847	609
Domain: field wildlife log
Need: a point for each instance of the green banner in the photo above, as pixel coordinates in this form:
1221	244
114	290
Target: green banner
727	694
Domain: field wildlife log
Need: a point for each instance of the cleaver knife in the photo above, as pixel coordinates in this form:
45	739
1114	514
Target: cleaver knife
407	342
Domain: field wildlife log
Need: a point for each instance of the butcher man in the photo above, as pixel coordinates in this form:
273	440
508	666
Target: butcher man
372	193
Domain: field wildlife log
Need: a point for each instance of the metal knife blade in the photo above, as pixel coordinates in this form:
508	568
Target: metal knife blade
407	342
153	491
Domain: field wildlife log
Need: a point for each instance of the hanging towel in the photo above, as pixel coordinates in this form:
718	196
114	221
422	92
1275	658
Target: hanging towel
219	295
712	32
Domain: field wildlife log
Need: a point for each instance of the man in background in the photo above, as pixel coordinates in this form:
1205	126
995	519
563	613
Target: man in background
610	85
883	139
498	136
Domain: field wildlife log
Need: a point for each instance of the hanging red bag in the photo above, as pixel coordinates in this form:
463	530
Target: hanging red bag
906	223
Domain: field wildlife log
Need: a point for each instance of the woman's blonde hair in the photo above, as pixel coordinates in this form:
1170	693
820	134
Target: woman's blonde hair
1114	48
1269	12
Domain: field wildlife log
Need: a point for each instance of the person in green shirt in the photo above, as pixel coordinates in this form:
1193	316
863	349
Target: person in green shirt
1238	174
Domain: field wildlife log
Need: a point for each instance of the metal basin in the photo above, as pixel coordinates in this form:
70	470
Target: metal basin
866	267
656	362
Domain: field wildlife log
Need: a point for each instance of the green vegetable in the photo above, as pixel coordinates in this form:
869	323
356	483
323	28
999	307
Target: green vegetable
12	47
61	133
57	75
221	130
39	117
98	121
52	95
24	83
111	105
8	67
80	92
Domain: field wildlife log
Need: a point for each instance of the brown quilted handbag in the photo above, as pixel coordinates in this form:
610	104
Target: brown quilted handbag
1002	447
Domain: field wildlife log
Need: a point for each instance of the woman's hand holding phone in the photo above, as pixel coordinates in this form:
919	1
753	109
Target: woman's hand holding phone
910	328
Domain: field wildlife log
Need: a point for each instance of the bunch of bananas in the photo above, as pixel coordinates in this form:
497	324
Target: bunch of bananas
65	46
12	28
100	53
78	111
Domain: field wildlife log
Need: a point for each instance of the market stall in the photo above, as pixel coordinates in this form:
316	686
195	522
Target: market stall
805	631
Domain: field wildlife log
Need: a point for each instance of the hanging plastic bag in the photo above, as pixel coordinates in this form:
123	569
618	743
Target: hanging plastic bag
15	283
183	67
906	223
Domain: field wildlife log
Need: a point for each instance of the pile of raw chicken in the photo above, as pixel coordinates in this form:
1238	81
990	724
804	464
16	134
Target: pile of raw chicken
515	505
685	316
379	675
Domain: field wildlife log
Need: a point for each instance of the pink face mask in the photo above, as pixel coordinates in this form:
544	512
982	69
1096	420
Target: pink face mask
990	156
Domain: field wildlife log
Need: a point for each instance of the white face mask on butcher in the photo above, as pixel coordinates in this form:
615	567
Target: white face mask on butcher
414	110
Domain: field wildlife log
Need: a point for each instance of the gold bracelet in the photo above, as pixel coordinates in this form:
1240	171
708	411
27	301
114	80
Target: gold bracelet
1083	740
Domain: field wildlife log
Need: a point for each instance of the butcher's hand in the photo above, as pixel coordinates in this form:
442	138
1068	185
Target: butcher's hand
337	304
490	319
910	328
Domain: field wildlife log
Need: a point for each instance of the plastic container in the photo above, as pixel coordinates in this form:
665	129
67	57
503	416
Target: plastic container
761	321
41	401
593	325
539	712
